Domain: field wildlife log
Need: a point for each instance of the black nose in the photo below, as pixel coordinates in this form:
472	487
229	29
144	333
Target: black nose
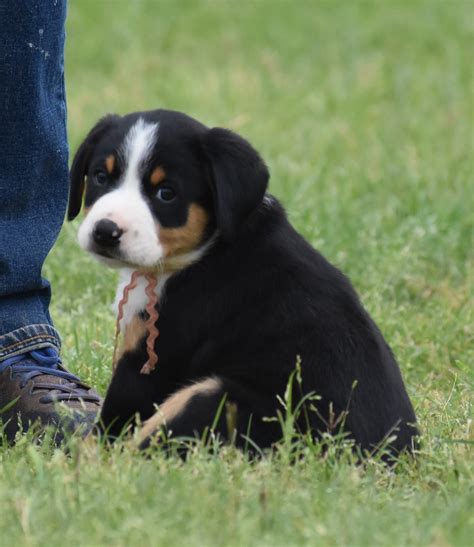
106	233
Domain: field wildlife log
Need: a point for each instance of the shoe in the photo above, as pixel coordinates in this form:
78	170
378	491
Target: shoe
36	389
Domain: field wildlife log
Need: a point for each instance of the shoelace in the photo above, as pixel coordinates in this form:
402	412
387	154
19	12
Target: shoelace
47	361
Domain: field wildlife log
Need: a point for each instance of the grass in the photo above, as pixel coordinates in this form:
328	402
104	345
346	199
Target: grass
364	114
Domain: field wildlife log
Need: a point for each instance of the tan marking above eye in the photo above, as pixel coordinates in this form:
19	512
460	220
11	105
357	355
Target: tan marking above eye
158	175
186	238
110	163
175	404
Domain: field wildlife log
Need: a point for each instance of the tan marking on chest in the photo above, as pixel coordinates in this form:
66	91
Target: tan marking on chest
186	238
135	332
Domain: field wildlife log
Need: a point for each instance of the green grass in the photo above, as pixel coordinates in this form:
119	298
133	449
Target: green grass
363	112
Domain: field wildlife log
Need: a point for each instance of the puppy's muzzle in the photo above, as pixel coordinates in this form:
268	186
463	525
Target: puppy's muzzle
106	234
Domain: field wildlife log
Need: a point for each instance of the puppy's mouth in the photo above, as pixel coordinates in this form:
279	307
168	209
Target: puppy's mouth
107	257
104	253
114	258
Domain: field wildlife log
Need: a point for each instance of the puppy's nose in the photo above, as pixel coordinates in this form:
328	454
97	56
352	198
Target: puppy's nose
106	233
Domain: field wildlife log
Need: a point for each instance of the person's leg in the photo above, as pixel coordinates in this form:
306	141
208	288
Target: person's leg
33	167
33	177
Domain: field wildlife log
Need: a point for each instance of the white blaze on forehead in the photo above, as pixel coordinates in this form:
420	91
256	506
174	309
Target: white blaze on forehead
136	149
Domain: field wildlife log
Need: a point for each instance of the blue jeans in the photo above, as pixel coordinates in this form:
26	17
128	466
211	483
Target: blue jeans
33	166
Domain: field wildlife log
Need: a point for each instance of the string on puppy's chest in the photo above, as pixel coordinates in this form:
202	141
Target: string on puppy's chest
150	324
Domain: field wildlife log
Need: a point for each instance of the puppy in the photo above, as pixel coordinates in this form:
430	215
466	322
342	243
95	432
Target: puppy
238	296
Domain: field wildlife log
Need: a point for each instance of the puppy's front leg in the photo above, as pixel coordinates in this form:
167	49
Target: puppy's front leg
129	393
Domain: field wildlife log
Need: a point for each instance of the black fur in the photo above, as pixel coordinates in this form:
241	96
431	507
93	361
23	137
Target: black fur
258	301
80	164
239	178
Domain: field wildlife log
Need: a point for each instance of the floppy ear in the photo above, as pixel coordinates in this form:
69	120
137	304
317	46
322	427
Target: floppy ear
80	164
239	178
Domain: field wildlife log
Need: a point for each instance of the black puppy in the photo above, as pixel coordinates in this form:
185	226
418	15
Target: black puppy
241	296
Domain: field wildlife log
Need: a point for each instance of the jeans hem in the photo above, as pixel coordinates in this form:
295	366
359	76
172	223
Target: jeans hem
28	338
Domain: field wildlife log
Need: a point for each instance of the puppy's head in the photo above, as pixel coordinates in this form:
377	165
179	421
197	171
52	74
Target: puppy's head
158	185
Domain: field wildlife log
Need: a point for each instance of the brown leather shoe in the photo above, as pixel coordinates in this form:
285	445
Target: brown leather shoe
36	389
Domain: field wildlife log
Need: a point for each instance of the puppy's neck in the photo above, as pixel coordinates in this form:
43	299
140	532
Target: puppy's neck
137	297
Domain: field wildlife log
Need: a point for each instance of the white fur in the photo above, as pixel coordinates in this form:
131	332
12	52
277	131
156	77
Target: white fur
139	244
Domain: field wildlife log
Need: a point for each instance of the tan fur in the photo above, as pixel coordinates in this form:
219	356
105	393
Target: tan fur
186	238
158	175
175	405
135	331
110	164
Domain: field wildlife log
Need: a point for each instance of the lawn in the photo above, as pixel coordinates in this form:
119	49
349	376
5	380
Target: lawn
363	112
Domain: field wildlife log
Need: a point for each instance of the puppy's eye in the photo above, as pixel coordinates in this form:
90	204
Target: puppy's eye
101	177
166	194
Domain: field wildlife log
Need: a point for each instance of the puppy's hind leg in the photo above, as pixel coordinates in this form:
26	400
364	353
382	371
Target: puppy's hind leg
230	411
188	412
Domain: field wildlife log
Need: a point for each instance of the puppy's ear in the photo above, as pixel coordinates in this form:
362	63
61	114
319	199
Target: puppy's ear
239	178
80	164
